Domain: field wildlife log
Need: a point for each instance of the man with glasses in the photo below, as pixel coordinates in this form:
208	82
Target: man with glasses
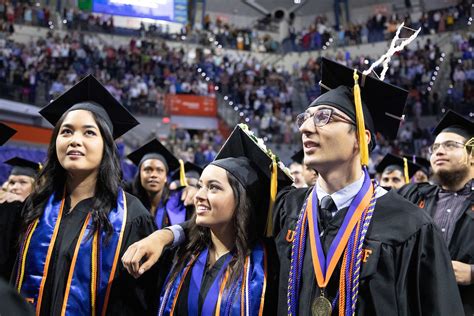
346	245
451	202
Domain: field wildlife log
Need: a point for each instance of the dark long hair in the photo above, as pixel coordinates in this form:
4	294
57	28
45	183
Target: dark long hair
52	180
140	192
243	222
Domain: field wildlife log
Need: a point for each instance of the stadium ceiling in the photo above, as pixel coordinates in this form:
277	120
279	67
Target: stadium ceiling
258	8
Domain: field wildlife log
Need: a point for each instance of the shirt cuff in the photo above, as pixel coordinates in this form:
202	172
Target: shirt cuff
178	235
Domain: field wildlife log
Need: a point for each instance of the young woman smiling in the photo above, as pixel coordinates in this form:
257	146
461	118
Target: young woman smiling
226	266
78	218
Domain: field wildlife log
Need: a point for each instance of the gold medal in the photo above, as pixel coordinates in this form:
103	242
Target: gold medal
321	307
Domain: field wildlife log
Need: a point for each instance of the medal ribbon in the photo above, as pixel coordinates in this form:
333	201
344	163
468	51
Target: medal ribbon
324	266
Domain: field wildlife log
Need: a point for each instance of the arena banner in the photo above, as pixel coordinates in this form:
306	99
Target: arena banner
191	105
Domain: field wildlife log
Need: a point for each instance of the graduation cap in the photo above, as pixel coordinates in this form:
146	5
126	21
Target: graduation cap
298	157
455	123
23	167
6	132
406	167
382	103
89	94
423	163
256	170
154	149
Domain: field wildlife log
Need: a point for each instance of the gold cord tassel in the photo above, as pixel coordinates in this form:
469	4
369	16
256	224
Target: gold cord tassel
182	174
364	149
405	170
273	193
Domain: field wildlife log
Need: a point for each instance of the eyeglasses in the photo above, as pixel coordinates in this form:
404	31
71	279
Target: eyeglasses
321	117
448	145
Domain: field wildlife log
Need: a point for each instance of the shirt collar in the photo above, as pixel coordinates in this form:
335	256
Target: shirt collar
466	190
344	196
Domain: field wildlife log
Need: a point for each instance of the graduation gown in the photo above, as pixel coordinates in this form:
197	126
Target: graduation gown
10	229
129	296
406	268
12	302
211	272
461	247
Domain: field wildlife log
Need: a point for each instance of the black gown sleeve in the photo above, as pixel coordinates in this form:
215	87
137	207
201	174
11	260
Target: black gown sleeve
12	302
10	230
130	296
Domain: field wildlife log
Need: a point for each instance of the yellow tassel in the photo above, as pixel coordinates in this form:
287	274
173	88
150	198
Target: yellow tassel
405	170
40	166
273	193
182	174
364	149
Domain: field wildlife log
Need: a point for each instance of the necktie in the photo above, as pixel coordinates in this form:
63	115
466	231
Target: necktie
327	208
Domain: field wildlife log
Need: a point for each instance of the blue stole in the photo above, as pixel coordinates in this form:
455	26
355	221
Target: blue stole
173	208
248	291
92	267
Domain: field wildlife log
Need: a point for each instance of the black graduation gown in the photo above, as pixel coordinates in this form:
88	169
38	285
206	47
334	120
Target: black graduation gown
129	296
210	274
407	273
461	247
10	229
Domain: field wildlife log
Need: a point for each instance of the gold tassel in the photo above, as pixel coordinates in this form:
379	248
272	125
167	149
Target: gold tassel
405	170
273	193
40	166
182	174
364	149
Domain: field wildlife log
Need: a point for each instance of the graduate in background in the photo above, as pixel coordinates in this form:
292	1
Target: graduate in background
192	174
20	184
151	186
303	176
21	179
450	201
423	173
78	219
226	264
395	171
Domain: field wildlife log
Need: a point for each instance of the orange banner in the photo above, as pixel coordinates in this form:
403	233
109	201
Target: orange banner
30	133
189	104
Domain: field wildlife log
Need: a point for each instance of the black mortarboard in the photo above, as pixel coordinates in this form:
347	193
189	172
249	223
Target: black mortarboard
252	167
424	163
397	161
23	167
382	103
154	150
298	156
6	132
191	171
89	94
455	123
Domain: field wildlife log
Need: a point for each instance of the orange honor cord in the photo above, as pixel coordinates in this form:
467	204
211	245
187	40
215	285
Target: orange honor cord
117	254
221	292
262	299
244	286
73	264
175	300
94	268
25	252
321	279
48	255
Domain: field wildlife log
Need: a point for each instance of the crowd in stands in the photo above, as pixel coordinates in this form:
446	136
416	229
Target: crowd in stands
268	98
379	27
